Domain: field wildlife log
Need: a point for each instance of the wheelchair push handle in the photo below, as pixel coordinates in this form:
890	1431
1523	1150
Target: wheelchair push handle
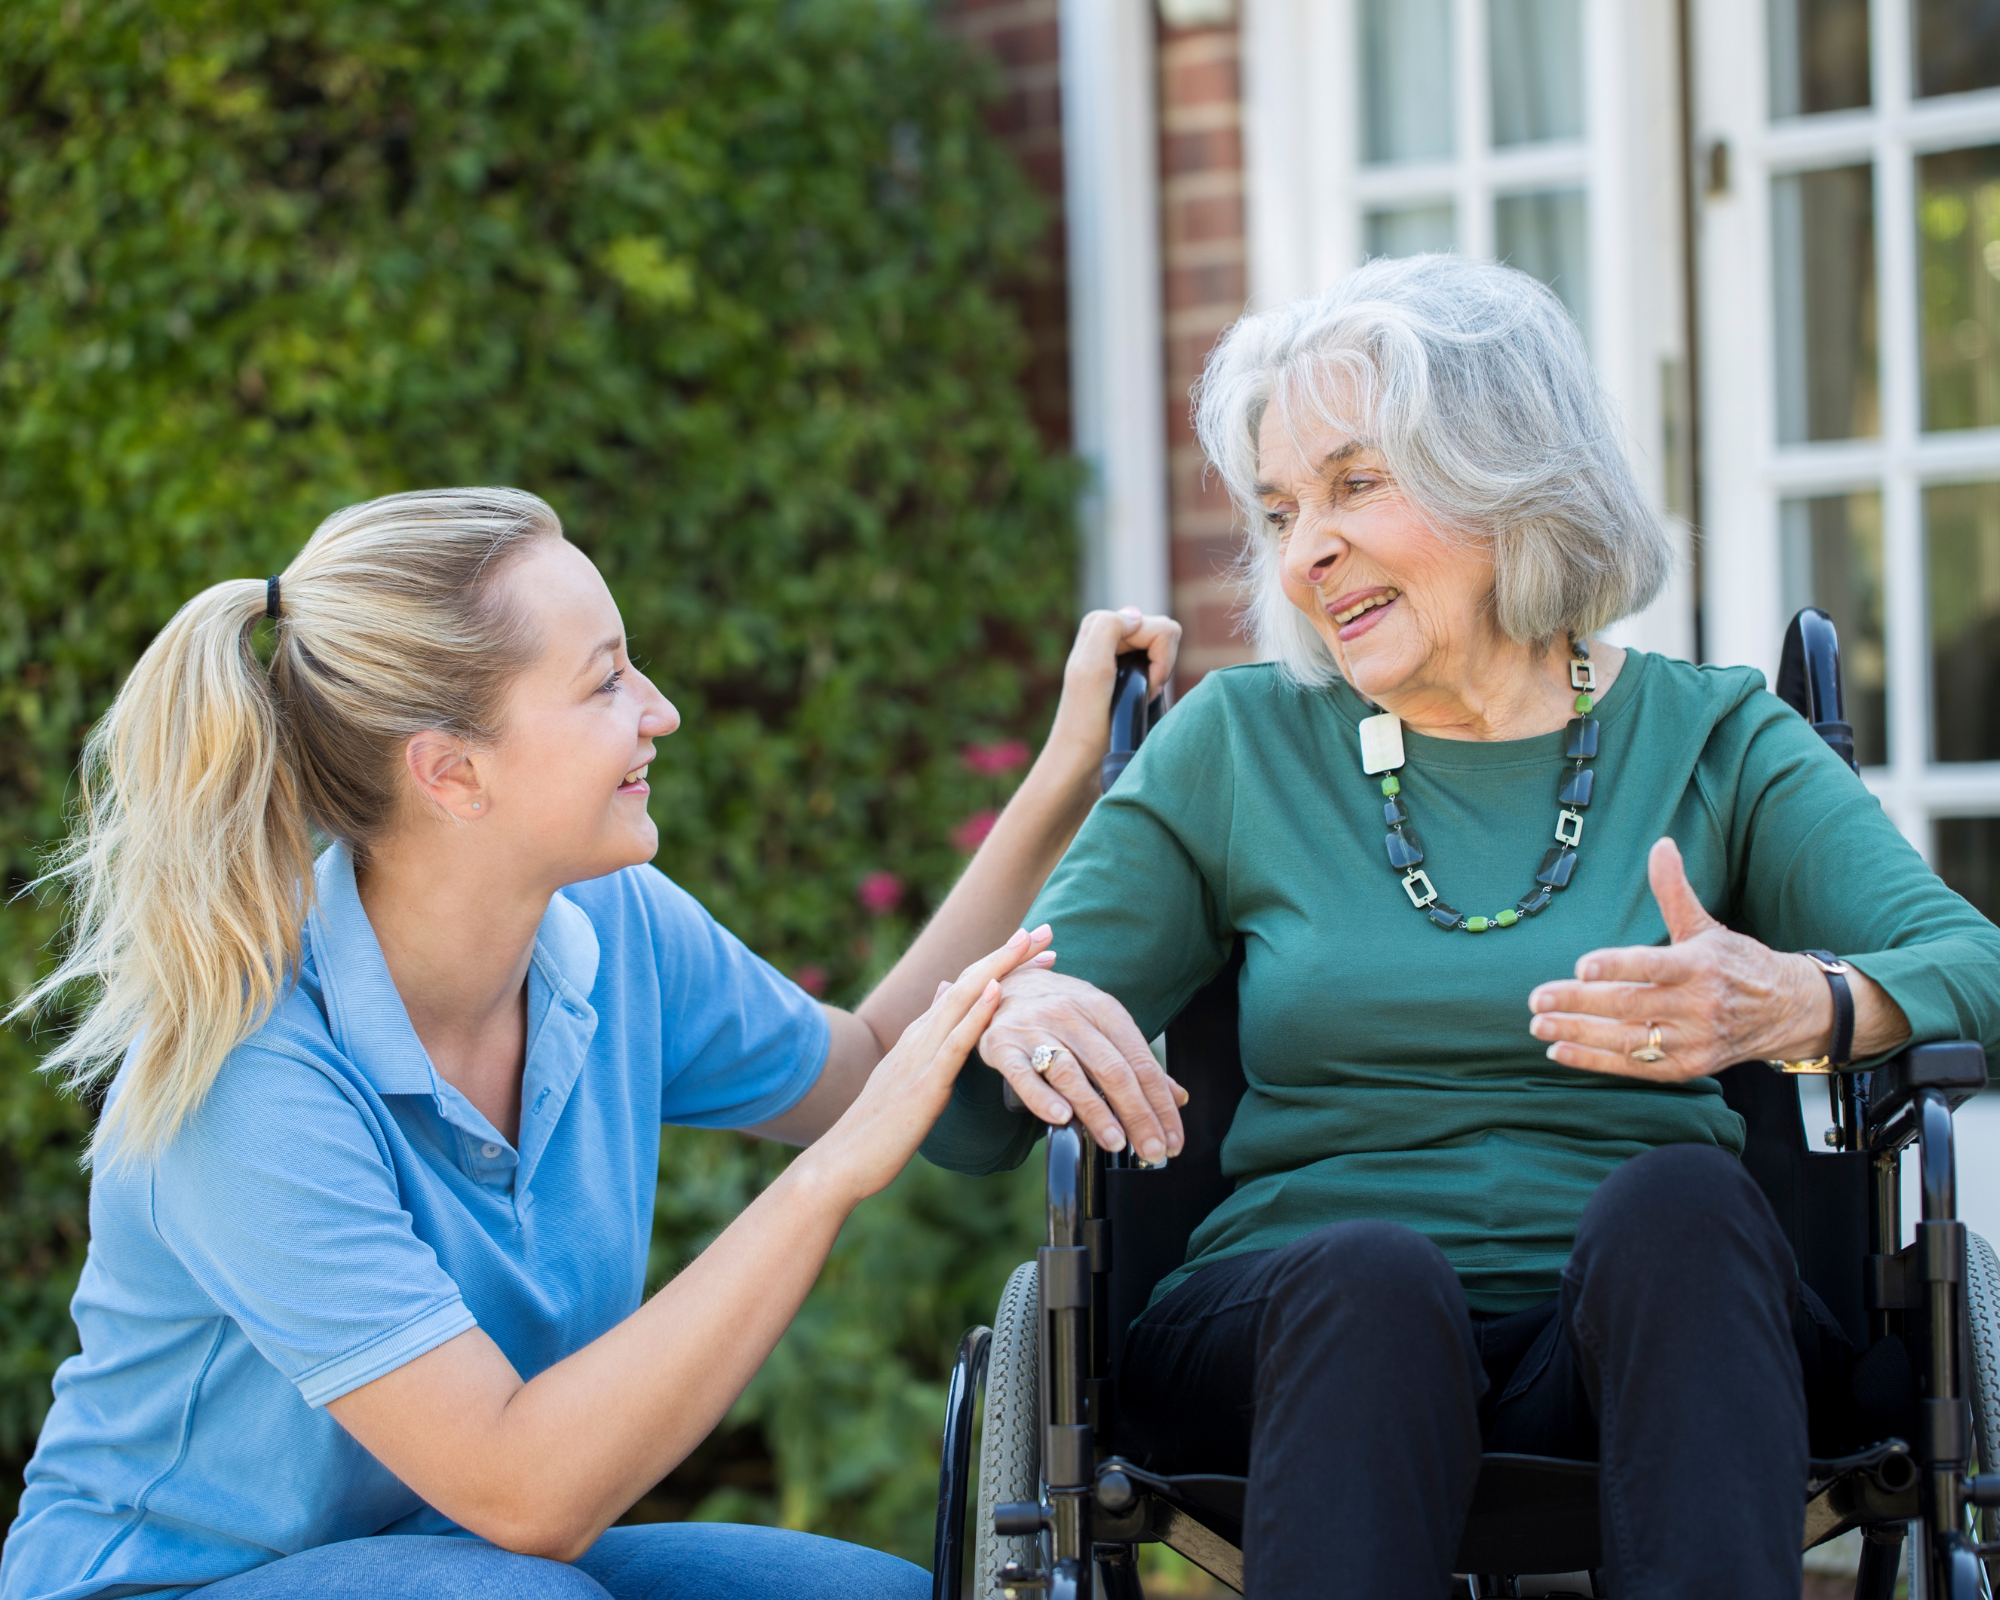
1809	680
1133	713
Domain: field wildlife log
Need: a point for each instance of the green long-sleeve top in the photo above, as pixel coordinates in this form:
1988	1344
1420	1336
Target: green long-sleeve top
1390	1072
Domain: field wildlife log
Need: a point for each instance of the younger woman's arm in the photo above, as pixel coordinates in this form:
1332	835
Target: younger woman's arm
544	1467
1003	877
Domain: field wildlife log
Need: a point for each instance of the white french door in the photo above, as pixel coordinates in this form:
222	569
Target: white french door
1848	242
1540	132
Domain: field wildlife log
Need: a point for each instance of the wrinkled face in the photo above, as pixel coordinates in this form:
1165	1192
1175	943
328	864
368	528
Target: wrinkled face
1399	604
565	788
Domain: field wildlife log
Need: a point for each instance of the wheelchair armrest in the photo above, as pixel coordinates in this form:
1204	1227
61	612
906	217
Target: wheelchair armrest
1957	1067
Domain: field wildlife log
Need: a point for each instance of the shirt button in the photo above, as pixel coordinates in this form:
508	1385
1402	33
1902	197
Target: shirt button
489	1151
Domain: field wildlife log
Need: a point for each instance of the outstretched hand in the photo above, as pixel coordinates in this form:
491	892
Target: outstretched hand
1716	997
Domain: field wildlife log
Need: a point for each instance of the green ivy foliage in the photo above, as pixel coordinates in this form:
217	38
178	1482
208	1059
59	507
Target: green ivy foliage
721	280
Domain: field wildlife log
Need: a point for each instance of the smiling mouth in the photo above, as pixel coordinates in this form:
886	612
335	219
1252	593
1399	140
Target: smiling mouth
636	775
1362	607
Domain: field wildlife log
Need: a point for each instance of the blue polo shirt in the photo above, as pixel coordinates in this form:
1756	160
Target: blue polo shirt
335	1209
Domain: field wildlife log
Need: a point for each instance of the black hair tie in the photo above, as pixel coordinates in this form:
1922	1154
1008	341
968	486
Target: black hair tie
271	598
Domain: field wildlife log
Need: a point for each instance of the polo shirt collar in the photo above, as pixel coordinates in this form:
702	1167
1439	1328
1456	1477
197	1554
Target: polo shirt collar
366	1017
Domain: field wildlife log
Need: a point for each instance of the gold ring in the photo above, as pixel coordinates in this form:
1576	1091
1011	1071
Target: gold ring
1652	1052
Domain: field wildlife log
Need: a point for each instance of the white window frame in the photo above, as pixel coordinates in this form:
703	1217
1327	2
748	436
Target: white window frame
1307	191
1745	471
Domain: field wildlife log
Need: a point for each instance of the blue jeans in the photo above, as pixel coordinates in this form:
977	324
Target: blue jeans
652	1561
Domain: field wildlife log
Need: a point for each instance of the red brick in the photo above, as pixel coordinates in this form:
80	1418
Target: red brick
1221	284
1044	169
1197	83
1208	217
1202	150
1196	486
1196	560
1187	354
1214	623
1031	45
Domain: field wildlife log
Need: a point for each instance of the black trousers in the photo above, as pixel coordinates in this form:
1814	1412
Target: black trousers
1344	1375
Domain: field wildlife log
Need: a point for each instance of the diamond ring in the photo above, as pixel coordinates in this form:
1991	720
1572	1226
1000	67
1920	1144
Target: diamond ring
1044	1055
1652	1052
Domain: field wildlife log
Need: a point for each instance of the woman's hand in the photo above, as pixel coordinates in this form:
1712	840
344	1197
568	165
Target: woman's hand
1100	1056
1082	731
1717	998
876	1136
1008	870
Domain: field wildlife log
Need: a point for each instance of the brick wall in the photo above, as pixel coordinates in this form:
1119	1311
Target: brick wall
1021	37
1203	257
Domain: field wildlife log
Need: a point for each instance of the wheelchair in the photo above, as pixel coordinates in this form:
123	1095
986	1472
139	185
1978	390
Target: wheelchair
1061	1513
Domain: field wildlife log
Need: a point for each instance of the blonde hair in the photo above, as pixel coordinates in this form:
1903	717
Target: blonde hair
1473	382
189	868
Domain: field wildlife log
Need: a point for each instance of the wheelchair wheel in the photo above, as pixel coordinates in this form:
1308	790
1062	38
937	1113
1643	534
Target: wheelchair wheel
1982	1306
1010	1464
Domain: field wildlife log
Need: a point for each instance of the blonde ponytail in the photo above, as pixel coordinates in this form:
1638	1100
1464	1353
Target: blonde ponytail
189	868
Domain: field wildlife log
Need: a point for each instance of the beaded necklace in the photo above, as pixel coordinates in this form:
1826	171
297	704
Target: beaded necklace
1382	751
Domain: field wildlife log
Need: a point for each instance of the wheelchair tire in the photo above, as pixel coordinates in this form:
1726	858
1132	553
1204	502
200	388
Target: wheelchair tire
1982	1308
1010	1457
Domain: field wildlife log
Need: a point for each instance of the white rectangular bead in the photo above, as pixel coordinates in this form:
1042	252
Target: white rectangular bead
1381	743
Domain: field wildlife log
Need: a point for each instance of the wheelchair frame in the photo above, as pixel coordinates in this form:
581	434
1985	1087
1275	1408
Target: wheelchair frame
1529	1514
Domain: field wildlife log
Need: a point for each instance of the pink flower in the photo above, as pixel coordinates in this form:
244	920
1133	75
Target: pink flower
970	834
811	978
992	760
880	892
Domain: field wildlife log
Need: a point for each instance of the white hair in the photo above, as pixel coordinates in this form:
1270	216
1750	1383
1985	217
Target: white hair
1473	384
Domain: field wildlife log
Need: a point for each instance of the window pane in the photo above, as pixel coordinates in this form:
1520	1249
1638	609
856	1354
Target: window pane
1968	859
1823	248
1962	540
1831	547
1819	56
1536	53
1543	234
1409	231
1958	226
1958	45
1406	78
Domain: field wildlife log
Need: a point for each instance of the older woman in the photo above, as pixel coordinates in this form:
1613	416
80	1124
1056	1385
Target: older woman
1487	1191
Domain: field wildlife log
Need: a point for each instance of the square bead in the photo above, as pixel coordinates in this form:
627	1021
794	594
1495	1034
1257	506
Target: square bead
1576	787
1444	916
1393	814
1581	744
1476	924
1529	905
1405	849
1381	742
1390	786
1507	919
1557	866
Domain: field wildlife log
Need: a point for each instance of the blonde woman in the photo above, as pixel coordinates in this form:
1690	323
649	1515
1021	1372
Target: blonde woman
362	1310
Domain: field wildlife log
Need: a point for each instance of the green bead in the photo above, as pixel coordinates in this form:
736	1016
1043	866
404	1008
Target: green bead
1475	924
1390	785
1507	919
1583	704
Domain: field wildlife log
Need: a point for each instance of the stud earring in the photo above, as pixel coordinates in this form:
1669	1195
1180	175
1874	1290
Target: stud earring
475	805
